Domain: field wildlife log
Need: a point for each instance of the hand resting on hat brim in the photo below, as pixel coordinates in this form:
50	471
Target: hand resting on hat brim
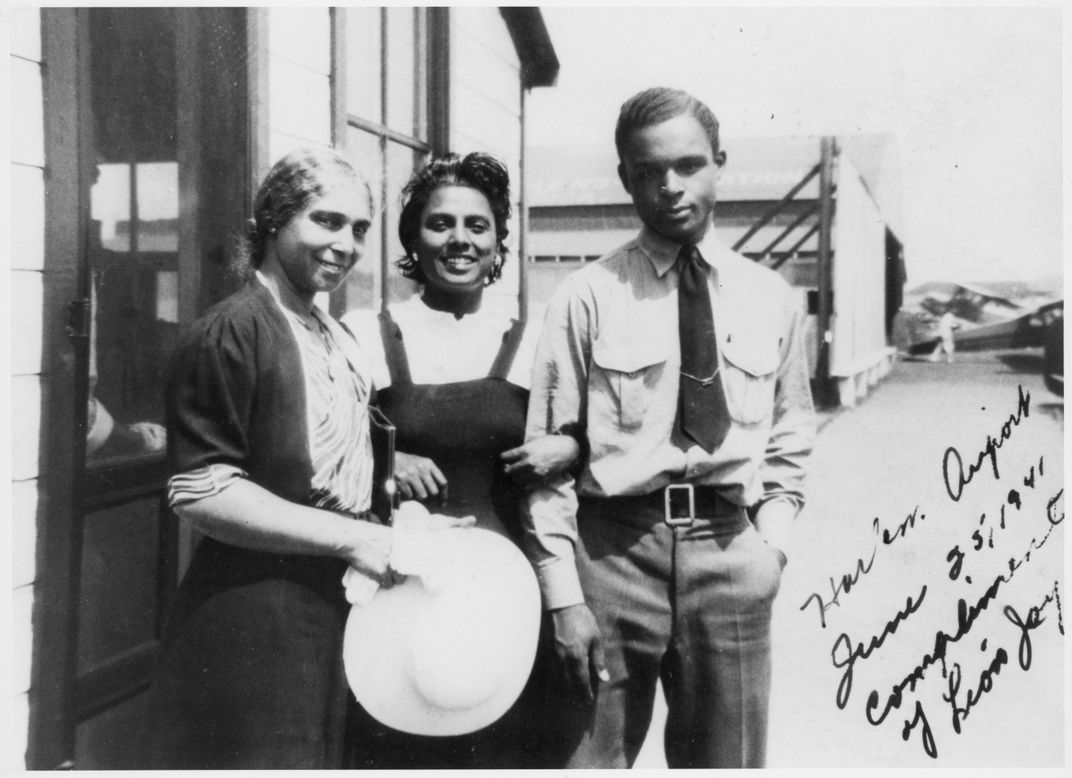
448	650
412	551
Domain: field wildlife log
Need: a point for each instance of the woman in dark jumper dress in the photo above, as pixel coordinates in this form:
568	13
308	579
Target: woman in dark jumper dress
452	375
269	447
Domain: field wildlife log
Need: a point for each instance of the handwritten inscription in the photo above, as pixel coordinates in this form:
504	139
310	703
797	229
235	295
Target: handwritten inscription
1032	622
966	675
986	683
1000	658
843	586
956	478
843	655
967	614
847	581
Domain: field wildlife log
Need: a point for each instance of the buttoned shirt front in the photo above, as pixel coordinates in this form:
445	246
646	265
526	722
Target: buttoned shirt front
608	366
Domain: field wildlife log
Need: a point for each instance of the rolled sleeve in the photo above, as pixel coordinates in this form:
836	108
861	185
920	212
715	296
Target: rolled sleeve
203	482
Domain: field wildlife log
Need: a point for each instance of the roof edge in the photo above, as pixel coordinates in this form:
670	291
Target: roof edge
539	63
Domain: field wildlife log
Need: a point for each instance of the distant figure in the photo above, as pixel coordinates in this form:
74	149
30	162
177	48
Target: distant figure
946	325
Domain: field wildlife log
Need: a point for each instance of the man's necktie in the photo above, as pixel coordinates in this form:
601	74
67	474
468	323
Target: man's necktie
702	415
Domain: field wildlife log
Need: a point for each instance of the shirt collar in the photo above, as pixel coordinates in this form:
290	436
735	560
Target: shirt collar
663	252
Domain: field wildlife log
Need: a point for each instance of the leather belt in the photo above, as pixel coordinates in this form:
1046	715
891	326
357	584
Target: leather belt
678	504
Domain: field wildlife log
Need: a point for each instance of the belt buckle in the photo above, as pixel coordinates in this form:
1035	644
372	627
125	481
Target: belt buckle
672	505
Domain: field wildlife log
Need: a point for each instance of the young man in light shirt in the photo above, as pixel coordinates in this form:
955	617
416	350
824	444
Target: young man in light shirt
661	559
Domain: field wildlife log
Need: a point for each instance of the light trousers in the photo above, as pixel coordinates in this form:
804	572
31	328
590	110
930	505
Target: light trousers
690	607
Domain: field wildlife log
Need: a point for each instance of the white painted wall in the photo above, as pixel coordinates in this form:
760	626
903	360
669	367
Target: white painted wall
299	83
25	303
859	277
299	79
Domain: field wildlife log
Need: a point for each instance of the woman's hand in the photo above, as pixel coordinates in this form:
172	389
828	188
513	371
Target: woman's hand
247	515
539	459
370	553
418	478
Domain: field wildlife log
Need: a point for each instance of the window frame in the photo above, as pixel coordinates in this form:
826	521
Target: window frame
432	107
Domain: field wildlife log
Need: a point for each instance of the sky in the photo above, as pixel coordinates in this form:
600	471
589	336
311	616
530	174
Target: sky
972	95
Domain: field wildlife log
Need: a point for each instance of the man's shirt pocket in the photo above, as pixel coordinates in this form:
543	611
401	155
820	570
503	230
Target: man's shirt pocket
624	379
750	371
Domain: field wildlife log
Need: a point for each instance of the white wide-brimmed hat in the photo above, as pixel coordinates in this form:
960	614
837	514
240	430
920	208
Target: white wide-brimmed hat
449	650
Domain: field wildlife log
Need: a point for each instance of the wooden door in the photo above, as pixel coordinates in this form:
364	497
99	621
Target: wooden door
158	179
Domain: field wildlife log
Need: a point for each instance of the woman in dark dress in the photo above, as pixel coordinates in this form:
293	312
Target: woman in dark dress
452	375
269	446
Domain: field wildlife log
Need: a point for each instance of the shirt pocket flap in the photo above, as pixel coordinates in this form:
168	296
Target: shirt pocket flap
624	375
752	358
630	358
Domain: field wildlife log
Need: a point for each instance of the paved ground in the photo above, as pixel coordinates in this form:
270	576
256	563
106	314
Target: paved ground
884	460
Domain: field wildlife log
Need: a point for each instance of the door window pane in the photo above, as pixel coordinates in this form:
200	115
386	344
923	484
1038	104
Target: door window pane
110	207
158	206
133	237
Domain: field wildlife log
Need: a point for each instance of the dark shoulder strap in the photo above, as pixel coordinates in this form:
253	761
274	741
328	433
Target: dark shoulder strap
504	360
394	350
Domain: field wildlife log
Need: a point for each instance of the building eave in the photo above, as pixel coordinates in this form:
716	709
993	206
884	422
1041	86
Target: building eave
539	63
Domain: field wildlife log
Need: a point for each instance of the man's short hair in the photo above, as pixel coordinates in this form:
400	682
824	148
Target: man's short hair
659	104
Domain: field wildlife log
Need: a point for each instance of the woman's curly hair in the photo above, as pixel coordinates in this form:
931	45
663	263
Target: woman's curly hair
477	170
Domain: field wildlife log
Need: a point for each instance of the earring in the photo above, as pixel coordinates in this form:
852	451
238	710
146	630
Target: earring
496	270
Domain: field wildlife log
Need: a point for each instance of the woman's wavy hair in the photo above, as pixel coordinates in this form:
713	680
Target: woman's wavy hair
478	170
296	180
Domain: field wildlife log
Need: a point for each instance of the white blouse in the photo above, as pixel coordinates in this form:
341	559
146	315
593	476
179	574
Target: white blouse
442	349
336	372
